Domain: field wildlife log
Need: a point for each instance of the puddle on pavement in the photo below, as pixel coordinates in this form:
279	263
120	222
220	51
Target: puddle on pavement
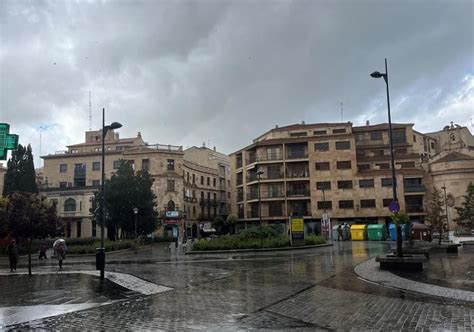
447	270
54	289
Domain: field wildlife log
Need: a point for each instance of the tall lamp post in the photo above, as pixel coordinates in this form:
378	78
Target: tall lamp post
100	256
377	74
135	212
259	174
446	205
325	226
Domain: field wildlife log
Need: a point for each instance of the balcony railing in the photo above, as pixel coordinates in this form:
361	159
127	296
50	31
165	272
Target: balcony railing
300	212
297	154
297	193
238	163
413	189
240	197
414	208
252	214
297	173
252	195
274	175
207	202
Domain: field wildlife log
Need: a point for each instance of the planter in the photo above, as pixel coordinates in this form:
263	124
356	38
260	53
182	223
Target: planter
448	248
407	262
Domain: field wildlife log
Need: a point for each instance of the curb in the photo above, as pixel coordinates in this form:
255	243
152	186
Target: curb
255	250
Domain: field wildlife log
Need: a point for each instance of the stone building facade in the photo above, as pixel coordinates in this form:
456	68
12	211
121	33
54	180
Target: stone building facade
333	168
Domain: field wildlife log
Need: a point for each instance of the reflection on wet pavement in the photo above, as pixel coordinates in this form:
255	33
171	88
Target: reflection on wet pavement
307	289
447	270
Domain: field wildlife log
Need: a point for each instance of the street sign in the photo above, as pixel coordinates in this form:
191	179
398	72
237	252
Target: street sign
394	207
7	141
172	214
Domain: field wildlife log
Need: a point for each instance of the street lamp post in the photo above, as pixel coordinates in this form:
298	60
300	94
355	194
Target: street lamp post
446	205
326	230
135	212
259	174
377	74
100	257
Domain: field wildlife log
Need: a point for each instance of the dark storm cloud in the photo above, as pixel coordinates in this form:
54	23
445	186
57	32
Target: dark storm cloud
225	71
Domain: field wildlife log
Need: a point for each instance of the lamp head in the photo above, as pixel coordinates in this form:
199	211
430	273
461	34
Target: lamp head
135	210
115	125
376	74
260	172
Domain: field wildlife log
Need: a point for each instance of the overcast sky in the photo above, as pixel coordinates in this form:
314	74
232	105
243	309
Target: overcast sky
223	72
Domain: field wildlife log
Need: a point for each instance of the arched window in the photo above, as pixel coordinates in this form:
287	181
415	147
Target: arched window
70	205
170	206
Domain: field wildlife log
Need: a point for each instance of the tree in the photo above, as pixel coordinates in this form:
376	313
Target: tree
123	192
400	218
436	216
217	223
20	175
232	221
466	210
28	216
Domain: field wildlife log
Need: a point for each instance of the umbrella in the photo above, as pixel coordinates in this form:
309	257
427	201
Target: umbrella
59	243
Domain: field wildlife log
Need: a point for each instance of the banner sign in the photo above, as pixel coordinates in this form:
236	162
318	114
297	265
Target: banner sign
297	231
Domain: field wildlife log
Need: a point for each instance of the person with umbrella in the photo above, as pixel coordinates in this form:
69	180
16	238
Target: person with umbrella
60	248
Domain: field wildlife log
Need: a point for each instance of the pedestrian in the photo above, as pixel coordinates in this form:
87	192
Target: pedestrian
339	233
12	251
42	251
60	253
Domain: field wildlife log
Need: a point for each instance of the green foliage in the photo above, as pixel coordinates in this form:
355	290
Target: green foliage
229	242
466	210
90	245
20	175
125	191
436	217
232	219
218	222
400	218
312	240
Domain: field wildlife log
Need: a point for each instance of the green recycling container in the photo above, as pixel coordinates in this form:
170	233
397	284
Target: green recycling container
377	232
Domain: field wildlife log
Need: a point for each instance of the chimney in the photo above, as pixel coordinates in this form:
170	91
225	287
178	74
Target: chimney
139	135
203	144
276	126
367	123
214	149
303	123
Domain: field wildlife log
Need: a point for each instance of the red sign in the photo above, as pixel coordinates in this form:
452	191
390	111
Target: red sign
171	222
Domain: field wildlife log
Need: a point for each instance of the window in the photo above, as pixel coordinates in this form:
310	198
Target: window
208	181
299	134
119	147
339	131
359	137
170	206
321	147
170	165
194	211
343	145
215	197
432	145
117	164
170	185
62	184
414	138
367	203
344	164
408	164
400	151
349	204
275	209
96	183
344	184
273	153
387	182
398	136
383	166
78	229
96	166
376	136
63	168
326	185
70	205
386	202
202	179
131	163
187	176
360	153
194	178
363	167
378	153
319	132
145	164
325	205
324	166
275	190
368	183
214	182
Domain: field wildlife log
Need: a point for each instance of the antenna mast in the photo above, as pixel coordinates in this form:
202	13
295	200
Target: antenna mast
90	112
342	113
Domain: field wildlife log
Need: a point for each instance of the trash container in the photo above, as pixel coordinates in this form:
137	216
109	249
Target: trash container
393	232
376	232
359	232
421	232
334	233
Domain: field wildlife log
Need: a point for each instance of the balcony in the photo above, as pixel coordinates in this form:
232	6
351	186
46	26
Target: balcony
252	177
252	214
253	194
274	176
414	209
415	189
207	202
297	173
222	186
238	163
205	217
297	154
297	193
240	197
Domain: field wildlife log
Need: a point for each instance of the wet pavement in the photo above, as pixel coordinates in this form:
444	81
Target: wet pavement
310	289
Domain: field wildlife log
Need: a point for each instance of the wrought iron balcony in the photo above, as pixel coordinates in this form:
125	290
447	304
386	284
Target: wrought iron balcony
415	188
